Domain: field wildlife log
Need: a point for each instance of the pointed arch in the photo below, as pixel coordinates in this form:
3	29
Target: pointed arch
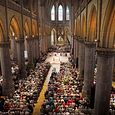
53	13
34	28
111	31
12	33
14	27
60	12
83	27
92	24
26	28
78	27
1	31
108	37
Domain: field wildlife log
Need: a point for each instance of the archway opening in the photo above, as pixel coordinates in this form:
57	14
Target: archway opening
78	27
83	27
26	36
53	37
1	39
14	32
92	26
1	33
108	39
33	29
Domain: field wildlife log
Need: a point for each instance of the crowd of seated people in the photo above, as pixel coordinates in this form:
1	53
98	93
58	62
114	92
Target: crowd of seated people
63	97
64	94
42	57
14	71
26	92
112	101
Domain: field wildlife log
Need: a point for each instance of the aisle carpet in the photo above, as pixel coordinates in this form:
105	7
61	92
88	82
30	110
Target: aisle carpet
55	63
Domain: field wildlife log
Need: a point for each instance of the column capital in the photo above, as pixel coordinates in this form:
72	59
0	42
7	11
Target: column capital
105	52
21	40
29	39
75	37
4	44
80	40
90	44
36	38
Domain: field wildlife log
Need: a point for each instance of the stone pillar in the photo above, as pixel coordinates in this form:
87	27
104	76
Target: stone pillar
105	64
81	58
36	48
33	48
38	43
29	48
8	84
77	52
74	48
49	41
14	48
114	70
21	59
89	68
44	44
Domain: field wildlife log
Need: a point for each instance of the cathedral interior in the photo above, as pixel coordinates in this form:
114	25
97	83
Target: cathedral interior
57	57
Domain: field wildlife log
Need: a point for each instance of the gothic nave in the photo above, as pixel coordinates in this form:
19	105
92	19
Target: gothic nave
57	57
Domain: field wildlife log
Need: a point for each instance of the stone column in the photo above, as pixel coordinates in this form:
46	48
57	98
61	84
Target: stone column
42	45
36	48
33	48
81	58
45	48
29	48
8	84
105	64
114	70
74	48
77	52
38	43
89	68
21	59
14	48
46	44
49	41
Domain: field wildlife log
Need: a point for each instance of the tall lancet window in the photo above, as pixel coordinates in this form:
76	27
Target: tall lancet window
53	13
67	13
60	13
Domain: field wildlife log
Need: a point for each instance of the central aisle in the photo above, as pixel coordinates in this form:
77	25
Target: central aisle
54	59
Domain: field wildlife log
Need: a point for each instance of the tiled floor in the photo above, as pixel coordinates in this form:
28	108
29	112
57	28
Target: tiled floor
55	63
